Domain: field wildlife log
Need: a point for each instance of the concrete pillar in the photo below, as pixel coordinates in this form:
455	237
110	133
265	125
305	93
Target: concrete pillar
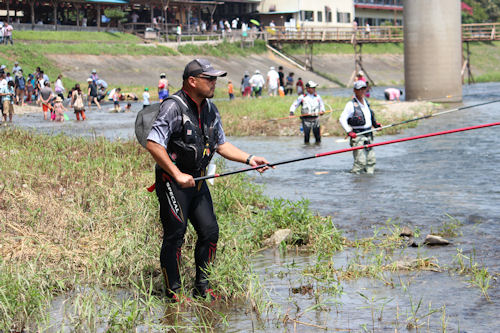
433	50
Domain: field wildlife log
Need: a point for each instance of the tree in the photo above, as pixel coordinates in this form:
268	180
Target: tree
483	11
114	14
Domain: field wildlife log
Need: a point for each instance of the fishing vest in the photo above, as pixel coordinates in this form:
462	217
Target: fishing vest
357	120
310	105
192	148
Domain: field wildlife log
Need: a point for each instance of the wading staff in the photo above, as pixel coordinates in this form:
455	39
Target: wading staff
423	117
334	152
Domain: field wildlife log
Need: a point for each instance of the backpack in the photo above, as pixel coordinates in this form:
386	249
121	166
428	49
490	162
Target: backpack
147	116
21	83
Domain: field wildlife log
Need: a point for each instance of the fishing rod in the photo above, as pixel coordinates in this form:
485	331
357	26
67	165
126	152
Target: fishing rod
334	152
423	117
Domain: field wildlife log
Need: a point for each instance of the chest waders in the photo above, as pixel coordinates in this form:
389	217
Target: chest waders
364	159
191	149
310	120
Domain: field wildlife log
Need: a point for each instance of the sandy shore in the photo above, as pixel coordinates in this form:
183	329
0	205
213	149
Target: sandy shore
27	109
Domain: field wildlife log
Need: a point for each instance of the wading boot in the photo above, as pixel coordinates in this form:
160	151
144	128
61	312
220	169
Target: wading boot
172	292
205	293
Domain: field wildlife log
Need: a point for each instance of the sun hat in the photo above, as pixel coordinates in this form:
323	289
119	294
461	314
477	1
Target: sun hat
94	71
257	71
359	84
311	84
201	66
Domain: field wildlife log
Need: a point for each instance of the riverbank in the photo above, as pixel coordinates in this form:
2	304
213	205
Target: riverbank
269	116
126	61
80	243
75	215
93	238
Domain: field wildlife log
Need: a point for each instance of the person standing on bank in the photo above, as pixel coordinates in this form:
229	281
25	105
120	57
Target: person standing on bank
182	141
312	106
358	117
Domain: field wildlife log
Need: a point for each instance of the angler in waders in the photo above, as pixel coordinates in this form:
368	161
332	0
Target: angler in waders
184	137
312	107
358	117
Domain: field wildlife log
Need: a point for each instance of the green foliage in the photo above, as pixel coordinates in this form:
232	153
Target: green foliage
75	36
84	204
483	11
223	49
23	296
114	13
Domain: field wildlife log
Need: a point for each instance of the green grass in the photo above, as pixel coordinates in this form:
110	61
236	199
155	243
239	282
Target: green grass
75	213
32	55
77	36
223	50
484	61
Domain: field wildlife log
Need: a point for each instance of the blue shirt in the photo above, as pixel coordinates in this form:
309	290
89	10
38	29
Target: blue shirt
7	90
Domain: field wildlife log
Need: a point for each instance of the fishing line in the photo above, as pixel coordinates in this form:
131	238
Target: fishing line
420	118
417	137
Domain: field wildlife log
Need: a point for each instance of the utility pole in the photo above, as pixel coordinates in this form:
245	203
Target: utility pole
395	17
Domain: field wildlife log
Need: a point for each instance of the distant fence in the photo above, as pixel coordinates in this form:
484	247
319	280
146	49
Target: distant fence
377	34
362	34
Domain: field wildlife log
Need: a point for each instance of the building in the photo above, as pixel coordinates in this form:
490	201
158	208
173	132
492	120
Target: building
307	13
378	12
90	14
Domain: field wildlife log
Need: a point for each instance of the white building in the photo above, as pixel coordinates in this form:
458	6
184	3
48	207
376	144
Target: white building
379	12
307	13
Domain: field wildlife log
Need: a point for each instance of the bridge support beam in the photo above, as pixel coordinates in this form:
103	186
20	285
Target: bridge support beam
433	50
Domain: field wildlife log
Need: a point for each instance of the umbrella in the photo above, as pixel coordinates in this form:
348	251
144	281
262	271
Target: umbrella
254	22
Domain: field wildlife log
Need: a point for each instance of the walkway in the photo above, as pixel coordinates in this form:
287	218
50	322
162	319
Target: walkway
380	34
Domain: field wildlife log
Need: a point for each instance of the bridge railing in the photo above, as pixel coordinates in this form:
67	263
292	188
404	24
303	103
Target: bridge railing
481	31
347	34
470	32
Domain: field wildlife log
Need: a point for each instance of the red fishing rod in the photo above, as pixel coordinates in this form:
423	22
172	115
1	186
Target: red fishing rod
349	149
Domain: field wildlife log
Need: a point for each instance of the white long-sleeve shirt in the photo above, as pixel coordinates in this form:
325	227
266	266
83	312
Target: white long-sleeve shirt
348	112
312	104
257	80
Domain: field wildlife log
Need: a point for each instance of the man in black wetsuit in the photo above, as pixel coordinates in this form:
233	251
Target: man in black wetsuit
184	137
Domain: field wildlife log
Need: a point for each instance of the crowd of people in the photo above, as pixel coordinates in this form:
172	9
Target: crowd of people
276	82
6	33
223	26
16	88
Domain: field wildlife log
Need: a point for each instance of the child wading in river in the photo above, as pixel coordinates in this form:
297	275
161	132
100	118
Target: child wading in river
59	109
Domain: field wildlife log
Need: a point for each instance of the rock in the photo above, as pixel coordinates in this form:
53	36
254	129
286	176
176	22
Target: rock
435	240
278	236
406	232
409	241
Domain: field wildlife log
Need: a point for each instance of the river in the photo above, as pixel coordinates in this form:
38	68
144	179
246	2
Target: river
417	184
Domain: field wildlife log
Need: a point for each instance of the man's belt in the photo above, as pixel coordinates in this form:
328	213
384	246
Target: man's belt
358	130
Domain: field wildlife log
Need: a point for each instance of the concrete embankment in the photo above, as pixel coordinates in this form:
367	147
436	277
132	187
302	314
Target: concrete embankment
144	70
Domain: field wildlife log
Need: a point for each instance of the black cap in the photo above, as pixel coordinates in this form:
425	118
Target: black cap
201	66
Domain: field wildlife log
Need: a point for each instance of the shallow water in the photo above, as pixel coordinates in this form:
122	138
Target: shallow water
416	183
